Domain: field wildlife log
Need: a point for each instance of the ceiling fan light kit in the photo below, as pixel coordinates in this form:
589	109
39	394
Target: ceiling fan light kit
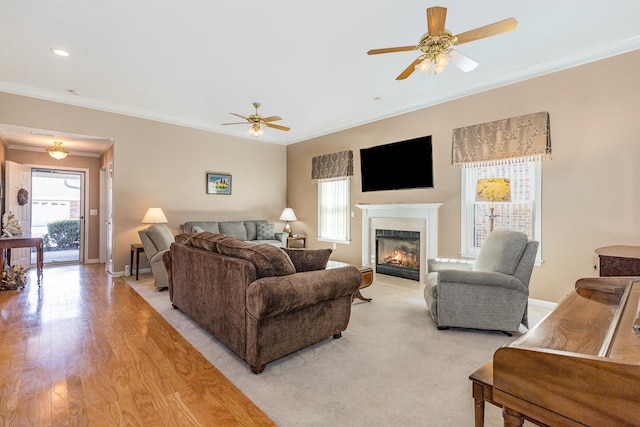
437	44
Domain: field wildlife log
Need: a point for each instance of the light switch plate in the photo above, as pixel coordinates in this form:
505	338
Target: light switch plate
93	212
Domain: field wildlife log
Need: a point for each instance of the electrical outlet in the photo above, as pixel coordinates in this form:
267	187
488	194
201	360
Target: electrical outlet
93	212
334	246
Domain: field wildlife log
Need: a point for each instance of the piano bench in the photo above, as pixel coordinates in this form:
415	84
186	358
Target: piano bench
482	390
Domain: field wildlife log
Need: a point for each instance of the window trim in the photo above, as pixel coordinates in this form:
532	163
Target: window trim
467	198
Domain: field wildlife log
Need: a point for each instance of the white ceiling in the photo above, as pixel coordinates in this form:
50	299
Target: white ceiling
192	63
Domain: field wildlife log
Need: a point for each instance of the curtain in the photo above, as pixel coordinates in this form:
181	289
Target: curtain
523	138
334	165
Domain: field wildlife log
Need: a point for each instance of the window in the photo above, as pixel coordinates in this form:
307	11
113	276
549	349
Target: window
523	213
333	210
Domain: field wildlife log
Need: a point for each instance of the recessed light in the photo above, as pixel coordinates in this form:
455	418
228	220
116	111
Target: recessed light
59	52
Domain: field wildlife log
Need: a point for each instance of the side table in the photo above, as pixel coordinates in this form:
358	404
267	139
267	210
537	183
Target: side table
297	239
136	248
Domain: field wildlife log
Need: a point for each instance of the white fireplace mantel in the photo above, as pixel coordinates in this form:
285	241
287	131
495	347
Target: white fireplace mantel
422	211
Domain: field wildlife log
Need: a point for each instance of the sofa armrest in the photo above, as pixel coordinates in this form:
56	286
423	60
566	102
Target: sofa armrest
270	296
283	238
437	264
481	278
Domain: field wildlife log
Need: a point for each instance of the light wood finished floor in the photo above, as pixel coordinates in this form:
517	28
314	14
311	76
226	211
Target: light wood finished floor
87	350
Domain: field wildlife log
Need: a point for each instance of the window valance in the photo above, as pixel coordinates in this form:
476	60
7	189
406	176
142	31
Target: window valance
334	165
516	139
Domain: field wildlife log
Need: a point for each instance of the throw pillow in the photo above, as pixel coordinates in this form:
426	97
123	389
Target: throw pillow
266	231
195	229
309	259
207	240
268	259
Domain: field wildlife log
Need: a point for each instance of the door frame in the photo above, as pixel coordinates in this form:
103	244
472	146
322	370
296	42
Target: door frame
84	228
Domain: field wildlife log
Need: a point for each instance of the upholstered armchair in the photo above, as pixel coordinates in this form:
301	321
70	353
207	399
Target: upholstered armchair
490	293
156	240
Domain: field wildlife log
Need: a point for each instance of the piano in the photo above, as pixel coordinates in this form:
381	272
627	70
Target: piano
579	366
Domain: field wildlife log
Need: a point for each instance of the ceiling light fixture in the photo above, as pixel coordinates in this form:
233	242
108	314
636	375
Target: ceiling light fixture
57	152
59	52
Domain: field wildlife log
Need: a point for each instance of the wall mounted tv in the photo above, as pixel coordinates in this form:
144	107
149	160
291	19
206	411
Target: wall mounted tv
401	165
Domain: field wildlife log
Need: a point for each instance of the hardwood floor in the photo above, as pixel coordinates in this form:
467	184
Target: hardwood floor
87	350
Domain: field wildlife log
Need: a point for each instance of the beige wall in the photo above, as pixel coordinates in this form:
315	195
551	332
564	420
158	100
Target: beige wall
590	189
92	164
162	165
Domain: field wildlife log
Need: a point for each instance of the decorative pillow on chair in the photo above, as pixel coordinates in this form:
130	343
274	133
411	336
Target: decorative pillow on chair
309	259
265	231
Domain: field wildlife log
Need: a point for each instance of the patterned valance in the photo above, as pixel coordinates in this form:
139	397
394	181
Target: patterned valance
334	165
515	139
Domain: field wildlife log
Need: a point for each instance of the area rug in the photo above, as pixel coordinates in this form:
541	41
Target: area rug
391	366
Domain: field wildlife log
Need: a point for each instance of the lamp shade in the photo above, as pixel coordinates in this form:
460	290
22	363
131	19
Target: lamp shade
154	216
493	190
288	215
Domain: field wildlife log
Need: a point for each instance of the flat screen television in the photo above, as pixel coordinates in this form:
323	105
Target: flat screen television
400	165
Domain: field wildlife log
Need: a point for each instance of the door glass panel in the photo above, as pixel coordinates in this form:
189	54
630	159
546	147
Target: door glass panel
56	214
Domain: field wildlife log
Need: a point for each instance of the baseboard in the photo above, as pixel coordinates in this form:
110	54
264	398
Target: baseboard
121	273
542	304
92	261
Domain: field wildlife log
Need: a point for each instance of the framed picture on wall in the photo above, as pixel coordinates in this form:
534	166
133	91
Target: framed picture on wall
218	183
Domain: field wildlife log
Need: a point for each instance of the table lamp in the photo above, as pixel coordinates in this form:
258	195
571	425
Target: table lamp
288	215
154	216
493	190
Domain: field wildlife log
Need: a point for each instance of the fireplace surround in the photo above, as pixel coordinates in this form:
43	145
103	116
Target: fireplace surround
421	217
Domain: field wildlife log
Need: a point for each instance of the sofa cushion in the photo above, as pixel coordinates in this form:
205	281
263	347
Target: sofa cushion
265	231
211	226
208	241
501	251
235	229
309	259
268	260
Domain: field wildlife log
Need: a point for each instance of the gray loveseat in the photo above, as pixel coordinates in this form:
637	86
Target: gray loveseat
252	231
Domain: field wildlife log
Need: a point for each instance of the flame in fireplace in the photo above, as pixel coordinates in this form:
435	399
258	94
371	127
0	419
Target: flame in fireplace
403	257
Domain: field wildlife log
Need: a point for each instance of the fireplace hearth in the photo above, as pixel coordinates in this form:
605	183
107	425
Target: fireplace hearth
398	253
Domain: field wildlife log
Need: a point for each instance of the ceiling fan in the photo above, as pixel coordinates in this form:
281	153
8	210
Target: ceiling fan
436	44
256	121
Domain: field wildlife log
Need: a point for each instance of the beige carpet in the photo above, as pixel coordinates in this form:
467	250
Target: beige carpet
391	366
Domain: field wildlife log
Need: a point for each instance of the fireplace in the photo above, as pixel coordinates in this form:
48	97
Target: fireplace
398	253
420	217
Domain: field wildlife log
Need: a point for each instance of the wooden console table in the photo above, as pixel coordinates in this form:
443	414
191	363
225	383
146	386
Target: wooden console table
22	241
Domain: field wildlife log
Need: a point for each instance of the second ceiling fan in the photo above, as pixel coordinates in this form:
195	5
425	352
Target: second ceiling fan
257	121
436	44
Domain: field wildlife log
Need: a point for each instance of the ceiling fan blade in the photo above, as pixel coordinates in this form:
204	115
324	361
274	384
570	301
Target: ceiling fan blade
461	61
488	30
391	49
436	17
237	123
271	119
279	127
238	115
410	69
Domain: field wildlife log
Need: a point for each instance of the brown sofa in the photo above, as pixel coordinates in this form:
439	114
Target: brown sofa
260	301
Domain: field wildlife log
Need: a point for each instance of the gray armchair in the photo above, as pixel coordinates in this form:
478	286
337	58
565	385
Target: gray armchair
156	240
490	293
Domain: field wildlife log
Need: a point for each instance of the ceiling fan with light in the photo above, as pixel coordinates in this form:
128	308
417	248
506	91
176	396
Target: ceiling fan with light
257	121
437	44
